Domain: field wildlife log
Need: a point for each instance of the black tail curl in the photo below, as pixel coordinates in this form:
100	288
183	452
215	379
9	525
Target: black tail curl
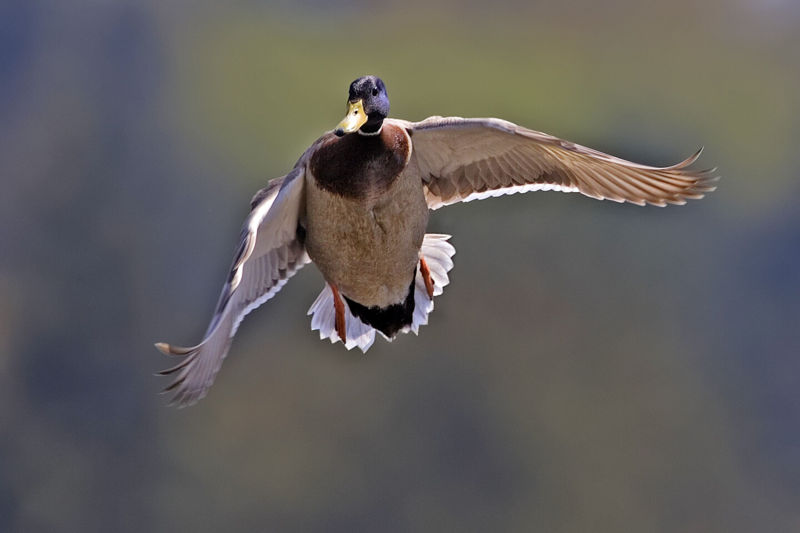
388	320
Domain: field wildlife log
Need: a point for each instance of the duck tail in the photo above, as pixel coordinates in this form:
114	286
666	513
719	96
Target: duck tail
437	253
324	319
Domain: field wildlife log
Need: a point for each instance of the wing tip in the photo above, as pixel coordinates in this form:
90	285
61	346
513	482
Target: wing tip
688	161
162	347
704	181
169	349
183	396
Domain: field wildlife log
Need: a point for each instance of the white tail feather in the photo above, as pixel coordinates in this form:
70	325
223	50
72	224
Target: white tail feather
324	320
438	255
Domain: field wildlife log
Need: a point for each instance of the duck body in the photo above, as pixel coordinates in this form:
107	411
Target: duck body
366	216
357	203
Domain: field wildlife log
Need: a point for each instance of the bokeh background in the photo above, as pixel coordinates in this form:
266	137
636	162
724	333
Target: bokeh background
591	367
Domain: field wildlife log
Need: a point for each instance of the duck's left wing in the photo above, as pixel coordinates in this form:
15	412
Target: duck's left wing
469	159
271	249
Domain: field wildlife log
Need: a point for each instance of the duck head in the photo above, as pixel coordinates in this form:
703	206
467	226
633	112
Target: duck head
367	106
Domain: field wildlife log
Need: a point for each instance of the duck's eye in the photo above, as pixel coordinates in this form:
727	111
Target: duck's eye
375	92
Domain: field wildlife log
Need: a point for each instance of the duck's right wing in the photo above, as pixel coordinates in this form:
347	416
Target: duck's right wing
271	249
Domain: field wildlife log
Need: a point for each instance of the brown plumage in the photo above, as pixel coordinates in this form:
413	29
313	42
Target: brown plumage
360	167
357	204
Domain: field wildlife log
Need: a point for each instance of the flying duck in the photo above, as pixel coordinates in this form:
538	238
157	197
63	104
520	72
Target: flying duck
357	201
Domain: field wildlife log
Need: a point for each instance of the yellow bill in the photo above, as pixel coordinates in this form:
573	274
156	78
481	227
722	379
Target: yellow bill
354	119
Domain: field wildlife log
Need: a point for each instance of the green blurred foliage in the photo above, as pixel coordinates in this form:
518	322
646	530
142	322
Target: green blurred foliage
591	367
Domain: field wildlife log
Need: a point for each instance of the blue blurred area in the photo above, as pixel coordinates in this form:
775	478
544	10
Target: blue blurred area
591	366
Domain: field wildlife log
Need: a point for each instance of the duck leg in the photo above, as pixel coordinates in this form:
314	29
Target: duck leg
426	276
338	306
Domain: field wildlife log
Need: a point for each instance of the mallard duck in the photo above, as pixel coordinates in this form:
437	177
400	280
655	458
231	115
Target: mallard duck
357	201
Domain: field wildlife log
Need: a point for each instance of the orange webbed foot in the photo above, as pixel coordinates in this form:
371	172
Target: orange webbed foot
426	276
338	306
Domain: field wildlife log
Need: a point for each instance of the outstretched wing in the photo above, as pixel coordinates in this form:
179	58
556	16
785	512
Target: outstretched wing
270	251
469	159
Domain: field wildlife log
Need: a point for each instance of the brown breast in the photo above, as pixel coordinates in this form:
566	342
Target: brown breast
361	166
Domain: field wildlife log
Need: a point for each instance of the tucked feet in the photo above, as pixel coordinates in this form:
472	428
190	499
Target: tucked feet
338	306
426	276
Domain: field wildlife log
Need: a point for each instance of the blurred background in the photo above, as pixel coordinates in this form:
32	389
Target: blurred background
591	367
